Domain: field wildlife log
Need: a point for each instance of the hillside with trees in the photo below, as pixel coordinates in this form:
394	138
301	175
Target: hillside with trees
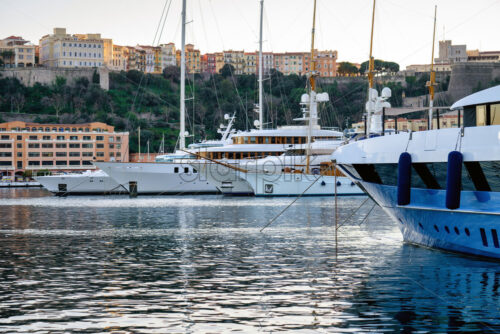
151	102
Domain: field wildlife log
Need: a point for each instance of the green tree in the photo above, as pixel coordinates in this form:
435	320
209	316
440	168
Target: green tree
346	69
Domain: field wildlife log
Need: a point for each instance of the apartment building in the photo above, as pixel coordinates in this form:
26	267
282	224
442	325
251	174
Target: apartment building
236	59
16	52
167	55
290	63
63	50
326	63
136	59
193	61
483	56
119	61
152	58
251	60
209	63
267	62
62	147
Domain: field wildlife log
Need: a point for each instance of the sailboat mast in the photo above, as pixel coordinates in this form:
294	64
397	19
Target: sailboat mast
261	94
182	138
371	67
432	81
312	94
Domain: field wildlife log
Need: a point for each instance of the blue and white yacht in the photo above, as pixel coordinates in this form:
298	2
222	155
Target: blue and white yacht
442	186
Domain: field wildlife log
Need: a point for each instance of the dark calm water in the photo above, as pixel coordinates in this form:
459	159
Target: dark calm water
199	264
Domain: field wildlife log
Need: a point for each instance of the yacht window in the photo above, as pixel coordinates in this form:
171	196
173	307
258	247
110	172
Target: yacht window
495	114
176	170
288	140
368	173
186	170
273	140
480	115
252	140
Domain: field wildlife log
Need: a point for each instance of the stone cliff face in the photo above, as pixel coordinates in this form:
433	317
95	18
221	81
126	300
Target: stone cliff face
28	76
465	77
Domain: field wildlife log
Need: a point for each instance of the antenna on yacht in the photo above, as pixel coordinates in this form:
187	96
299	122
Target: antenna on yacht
432	82
312	97
224	130
182	133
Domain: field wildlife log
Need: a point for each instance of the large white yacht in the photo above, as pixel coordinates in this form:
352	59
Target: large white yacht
87	183
441	186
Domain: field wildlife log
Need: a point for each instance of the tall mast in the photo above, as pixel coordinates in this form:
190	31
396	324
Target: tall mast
371	66
312	94
432	81
182	137
261	110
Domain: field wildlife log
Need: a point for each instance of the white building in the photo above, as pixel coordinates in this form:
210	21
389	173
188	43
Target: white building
168	55
64	50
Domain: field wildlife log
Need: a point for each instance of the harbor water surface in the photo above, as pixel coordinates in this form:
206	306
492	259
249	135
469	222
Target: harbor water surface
197	264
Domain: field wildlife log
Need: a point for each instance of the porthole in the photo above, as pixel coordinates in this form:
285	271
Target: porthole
420	225
339	184
467	232
457	231
400	221
436	228
447	229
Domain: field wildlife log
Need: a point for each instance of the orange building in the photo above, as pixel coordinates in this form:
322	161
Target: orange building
61	147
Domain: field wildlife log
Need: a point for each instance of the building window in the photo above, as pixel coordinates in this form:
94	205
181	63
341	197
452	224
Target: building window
33	154
34	137
34	145
100	154
86	154
99	138
19	145
60	138
73	137
74	145
87	145
48	163
99	145
60	145
46	145
61	154
47	154
61	163
74	163
33	163
86	138
74	154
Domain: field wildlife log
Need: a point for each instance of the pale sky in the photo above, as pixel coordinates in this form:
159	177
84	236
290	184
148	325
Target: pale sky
403	28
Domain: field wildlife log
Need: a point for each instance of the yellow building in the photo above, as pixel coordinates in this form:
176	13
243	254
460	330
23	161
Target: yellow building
193	61
16	52
236	59
63	50
219	61
119	61
250	63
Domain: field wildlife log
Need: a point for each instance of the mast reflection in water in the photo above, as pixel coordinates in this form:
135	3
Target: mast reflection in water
200	264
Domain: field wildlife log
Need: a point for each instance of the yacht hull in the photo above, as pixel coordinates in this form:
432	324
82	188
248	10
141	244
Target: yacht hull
228	181
287	184
158	178
473	229
80	185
